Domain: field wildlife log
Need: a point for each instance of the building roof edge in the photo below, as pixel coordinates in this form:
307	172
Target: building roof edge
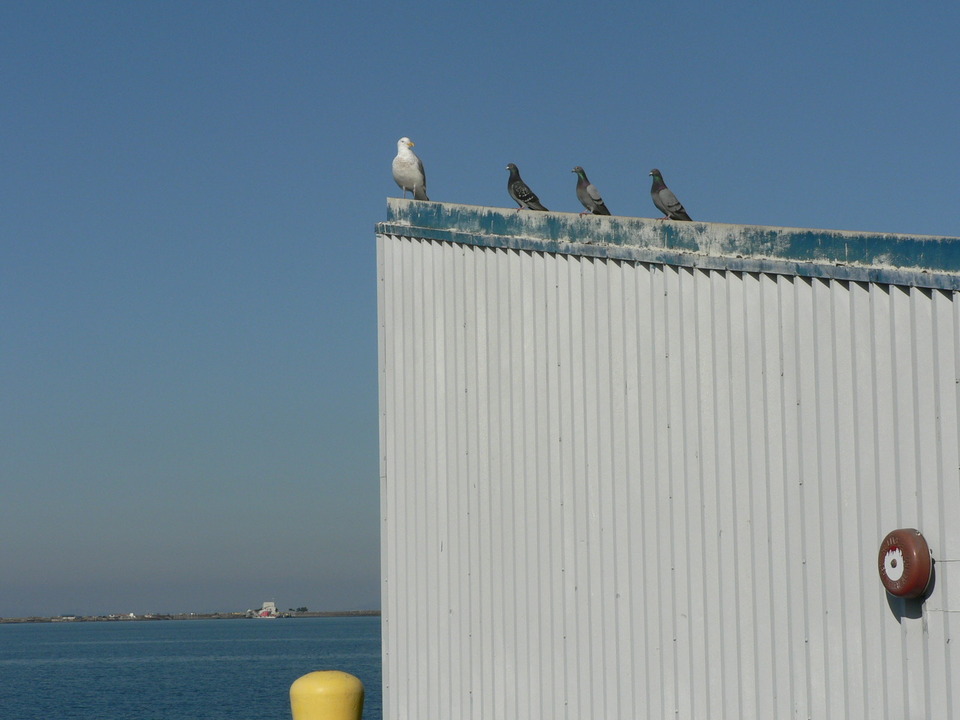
915	260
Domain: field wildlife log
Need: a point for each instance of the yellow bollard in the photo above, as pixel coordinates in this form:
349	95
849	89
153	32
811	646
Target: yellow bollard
327	695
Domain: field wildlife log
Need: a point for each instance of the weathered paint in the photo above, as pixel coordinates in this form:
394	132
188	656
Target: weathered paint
923	261
615	487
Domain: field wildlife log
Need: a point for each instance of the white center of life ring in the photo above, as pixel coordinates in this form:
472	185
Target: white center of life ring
893	564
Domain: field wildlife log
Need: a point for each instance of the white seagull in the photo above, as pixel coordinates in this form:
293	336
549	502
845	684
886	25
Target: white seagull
408	170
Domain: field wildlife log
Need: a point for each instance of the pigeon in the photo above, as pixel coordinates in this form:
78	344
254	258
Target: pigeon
521	192
408	170
665	200
588	194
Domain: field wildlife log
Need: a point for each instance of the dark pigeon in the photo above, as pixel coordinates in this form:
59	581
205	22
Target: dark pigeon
588	194
521	192
665	200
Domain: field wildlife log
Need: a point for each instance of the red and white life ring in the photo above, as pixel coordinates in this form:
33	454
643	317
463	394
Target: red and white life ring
905	563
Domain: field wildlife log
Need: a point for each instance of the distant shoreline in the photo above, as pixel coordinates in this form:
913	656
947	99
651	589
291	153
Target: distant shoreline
185	616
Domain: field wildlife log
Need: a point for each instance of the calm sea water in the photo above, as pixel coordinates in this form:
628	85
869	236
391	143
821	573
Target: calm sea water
179	669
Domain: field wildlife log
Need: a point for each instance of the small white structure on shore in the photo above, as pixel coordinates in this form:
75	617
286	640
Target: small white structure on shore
268	610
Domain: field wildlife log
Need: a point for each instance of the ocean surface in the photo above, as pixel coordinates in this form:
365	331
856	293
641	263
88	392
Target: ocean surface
179	669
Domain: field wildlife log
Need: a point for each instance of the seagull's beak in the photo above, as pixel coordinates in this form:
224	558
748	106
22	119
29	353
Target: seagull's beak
412	143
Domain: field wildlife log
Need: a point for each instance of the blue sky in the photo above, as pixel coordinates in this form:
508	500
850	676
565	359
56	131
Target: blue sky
188	368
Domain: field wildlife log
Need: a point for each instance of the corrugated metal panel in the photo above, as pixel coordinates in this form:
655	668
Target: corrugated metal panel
625	489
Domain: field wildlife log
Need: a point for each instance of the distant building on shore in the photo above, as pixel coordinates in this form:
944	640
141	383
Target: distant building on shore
268	610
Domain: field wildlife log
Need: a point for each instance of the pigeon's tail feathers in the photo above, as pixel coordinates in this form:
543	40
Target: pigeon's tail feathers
521	192
665	200
599	208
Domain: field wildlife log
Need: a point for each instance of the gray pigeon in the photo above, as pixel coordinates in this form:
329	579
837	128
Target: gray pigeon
520	192
588	194
665	200
408	170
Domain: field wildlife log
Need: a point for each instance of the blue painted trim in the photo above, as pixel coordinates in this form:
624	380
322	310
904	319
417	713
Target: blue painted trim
910	260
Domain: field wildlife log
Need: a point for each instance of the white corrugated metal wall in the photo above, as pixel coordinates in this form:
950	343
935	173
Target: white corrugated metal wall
615	489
